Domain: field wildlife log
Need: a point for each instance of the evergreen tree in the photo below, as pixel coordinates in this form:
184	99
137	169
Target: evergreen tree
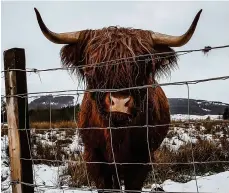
226	113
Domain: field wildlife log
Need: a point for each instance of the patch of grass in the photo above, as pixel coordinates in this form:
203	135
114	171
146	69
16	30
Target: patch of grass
68	127
63	142
203	151
70	132
170	134
46	125
77	172
50	154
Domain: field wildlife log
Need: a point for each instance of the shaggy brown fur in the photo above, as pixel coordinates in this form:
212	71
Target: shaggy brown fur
117	53
117	58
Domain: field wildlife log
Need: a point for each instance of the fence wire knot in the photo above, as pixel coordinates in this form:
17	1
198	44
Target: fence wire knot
207	49
14	182
79	151
35	70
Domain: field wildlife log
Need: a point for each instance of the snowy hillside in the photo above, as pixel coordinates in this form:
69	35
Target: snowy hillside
197	107
177	105
56	102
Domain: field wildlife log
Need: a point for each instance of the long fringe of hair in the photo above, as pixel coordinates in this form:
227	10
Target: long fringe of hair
117	57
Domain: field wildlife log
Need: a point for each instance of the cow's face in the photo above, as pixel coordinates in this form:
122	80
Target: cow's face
117	58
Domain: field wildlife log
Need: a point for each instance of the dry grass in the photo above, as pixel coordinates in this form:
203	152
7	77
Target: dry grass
46	125
51	154
43	127
203	151
77	172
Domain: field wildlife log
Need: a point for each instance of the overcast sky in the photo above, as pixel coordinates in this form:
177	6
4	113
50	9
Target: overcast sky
19	28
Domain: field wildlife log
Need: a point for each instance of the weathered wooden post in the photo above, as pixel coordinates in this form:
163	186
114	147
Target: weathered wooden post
18	120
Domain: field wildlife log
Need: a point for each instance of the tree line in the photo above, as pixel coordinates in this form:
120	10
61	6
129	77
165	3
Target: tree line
62	114
55	115
44	114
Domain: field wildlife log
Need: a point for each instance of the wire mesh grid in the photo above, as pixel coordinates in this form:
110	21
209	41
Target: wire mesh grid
59	159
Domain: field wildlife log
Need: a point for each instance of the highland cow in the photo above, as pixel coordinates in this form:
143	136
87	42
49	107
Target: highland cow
118	61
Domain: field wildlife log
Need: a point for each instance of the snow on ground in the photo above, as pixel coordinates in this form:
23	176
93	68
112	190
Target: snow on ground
76	144
50	176
5	171
180	137
194	117
214	183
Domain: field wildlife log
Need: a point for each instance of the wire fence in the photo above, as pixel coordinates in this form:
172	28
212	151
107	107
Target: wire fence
187	126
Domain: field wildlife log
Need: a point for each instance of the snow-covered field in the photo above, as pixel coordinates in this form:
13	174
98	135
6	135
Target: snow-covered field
194	117
46	175
213	183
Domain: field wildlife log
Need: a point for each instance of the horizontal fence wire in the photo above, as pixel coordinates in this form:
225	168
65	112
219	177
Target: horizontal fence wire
101	64
96	65
178	124
83	189
183	123
23	95
82	91
129	163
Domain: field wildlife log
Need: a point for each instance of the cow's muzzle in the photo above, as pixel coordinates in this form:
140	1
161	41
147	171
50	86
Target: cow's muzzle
119	103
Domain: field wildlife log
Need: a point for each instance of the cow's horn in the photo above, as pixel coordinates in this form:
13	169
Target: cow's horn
176	41
58	38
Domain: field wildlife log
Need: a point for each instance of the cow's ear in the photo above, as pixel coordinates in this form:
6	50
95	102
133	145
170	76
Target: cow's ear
72	58
165	60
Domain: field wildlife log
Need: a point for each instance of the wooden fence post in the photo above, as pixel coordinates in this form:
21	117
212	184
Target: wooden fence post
18	121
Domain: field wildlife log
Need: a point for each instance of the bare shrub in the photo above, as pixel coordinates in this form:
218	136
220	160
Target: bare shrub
203	151
76	169
49	154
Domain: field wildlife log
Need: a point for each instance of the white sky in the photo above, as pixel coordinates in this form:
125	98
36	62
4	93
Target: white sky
19	28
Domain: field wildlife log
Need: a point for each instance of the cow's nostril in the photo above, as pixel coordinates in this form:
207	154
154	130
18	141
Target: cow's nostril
127	103
112	101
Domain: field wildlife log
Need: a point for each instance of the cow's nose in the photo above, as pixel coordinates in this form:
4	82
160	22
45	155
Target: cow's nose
121	104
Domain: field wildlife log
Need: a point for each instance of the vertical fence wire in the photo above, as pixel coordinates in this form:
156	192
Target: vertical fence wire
148	142
30	148
111	140
80	152
193	159
53	149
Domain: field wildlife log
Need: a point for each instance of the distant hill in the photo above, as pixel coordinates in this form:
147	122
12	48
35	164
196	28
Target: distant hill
197	107
58	102
177	105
